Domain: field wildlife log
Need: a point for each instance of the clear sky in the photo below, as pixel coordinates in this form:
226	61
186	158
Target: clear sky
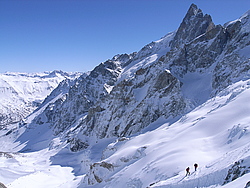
77	35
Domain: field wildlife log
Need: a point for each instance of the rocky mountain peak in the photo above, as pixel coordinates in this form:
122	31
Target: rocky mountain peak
194	24
192	11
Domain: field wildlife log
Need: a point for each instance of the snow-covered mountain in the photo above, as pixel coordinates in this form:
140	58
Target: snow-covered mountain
138	120
22	93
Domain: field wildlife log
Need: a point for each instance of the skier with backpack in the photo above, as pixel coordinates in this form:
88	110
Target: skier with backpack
195	166
187	171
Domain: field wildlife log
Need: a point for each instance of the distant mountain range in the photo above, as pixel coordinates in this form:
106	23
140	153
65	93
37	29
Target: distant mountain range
22	93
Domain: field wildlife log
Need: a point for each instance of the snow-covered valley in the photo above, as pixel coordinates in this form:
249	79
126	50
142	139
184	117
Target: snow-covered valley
139	120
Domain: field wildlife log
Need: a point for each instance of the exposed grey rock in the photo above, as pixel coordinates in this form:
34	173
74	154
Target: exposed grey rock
5	154
83	93
98	171
236	171
2	185
77	145
116	121
193	25
247	185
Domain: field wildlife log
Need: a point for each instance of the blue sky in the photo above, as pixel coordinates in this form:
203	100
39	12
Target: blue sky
77	35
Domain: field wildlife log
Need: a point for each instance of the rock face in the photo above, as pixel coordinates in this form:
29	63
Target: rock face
120	96
235	55
84	93
2	185
237	170
193	25
133	98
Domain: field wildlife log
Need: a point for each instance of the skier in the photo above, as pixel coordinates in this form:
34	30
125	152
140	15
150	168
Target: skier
187	171
195	166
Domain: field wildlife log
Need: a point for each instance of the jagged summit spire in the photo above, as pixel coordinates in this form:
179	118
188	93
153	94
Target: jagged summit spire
194	24
193	10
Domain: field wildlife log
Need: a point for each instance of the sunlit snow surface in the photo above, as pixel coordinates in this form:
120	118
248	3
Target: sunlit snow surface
214	135
34	170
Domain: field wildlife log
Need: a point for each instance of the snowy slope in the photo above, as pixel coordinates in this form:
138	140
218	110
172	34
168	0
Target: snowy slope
21	93
214	135
18	170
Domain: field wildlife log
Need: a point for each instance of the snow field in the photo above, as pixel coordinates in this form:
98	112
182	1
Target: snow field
214	135
35	170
